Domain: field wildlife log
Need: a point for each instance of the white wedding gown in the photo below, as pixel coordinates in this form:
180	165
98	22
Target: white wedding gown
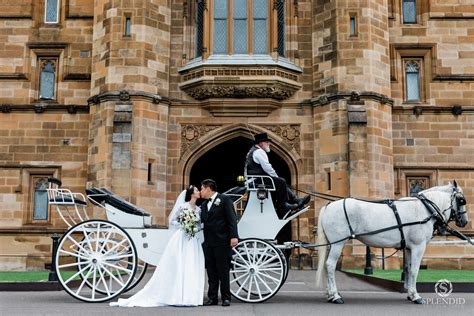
179	277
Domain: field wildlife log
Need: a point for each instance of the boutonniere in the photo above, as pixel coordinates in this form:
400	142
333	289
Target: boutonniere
217	202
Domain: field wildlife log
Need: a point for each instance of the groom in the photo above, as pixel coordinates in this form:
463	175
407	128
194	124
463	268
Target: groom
220	236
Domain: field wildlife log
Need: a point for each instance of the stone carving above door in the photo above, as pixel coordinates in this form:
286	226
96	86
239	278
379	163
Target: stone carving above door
289	133
190	133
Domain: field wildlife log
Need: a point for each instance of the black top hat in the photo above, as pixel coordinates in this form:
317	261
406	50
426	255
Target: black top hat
262	137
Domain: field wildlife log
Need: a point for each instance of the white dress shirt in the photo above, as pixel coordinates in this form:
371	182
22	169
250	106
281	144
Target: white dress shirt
260	156
209	204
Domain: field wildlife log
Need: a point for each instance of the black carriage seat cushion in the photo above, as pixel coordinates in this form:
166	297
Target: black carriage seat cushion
116	201
67	199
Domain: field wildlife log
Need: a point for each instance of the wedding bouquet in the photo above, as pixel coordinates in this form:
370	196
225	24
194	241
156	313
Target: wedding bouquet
189	222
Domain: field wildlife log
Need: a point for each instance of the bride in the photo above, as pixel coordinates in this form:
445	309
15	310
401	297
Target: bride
179	278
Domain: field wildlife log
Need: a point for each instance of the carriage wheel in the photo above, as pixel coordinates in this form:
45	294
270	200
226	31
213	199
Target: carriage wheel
257	271
96	261
286	269
139	274
137	277
285	263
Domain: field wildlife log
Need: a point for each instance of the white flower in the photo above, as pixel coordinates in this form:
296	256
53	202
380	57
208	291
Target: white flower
217	202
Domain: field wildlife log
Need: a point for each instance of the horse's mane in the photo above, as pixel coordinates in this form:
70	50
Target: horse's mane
442	200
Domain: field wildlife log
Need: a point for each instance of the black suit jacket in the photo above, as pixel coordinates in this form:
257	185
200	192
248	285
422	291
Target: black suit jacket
220	222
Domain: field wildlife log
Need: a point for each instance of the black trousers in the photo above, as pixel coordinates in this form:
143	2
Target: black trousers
281	195
218	267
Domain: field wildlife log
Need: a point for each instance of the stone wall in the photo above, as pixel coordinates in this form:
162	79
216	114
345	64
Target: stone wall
24	40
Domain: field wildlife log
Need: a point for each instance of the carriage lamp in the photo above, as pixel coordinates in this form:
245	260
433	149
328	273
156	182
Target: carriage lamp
240	180
261	193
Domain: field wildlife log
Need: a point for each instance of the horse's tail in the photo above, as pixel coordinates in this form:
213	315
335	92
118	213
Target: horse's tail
322	251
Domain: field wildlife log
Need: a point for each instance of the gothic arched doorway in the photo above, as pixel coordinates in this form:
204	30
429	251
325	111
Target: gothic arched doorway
225	162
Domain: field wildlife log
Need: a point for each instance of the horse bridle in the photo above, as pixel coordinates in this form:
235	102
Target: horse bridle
456	213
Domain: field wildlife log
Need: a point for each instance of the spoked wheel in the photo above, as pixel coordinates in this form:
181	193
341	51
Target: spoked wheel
285	263
137	277
96	261
257	271
139	274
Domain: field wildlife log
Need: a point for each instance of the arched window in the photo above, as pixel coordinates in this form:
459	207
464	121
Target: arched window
412	81
254	27
40	210
47	84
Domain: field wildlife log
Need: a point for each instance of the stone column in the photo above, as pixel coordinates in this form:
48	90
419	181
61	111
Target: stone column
128	129
351	85
353	70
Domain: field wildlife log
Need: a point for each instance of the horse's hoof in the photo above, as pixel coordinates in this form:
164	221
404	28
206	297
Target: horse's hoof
408	298
418	301
337	301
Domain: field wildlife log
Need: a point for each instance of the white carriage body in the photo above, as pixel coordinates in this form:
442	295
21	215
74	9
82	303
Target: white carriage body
260	219
125	219
151	242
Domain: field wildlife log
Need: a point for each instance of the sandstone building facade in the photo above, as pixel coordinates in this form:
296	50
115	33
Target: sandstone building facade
369	98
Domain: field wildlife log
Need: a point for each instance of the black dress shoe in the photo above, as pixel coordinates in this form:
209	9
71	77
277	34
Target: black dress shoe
289	206
226	303
210	302
303	201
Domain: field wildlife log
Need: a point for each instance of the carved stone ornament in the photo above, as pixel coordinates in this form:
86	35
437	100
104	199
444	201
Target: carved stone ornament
192	132
206	92
417	184
124	95
6	108
290	133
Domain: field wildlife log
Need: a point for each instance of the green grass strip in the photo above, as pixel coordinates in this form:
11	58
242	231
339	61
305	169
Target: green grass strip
428	275
30	276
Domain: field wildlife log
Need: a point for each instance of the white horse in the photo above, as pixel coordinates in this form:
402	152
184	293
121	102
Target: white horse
353	218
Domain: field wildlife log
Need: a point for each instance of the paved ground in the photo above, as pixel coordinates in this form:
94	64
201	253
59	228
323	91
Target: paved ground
297	297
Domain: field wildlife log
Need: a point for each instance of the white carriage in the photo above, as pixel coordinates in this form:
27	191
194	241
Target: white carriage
97	260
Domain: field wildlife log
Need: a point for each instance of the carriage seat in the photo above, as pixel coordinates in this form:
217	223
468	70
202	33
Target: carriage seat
254	182
66	200
100	195
57	195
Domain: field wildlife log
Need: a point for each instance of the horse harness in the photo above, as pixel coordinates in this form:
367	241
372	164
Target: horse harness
441	225
400	225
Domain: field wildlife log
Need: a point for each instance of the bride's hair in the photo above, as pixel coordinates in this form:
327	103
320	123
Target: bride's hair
189	192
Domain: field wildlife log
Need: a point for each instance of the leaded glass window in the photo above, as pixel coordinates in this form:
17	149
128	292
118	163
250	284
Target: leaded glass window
239	34
241	26
409	11
280	6
199	27
40	210
47	84
412	78
260	26
51	11
220	26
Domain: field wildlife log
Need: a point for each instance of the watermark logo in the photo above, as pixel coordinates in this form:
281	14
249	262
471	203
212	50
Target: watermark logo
443	288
